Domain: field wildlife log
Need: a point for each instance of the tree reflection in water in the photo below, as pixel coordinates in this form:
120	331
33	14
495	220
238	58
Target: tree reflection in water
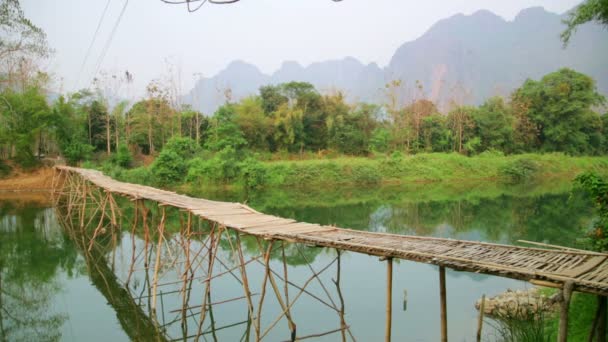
28	281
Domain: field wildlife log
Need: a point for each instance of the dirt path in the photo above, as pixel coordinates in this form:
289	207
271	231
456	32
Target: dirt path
39	179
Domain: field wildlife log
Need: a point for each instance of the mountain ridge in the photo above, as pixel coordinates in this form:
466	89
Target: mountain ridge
462	58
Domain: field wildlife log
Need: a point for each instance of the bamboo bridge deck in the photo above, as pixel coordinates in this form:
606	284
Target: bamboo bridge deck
586	271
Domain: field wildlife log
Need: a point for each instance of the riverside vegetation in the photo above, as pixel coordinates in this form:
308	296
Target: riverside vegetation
291	135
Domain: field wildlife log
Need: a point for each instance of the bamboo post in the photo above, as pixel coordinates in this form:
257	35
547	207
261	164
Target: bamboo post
601	324
443	305
563	317
84	203
341	312
161	230
264	282
389	298
480	319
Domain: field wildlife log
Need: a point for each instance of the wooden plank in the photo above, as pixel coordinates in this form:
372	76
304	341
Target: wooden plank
281	228
307	230
584	268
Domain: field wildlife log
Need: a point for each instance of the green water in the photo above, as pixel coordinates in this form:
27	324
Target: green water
51	290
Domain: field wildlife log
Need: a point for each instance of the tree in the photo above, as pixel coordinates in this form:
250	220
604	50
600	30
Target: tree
416	113
590	10
494	125
460	121
224	132
434	134
288	129
20	42
272	98
252	121
560	105
25	116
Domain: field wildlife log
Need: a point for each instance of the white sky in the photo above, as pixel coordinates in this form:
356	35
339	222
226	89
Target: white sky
262	32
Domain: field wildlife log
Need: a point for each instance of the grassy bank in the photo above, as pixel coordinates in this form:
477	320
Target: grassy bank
230	171
428	168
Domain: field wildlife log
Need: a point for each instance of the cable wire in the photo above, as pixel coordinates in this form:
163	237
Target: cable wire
109	41
86	57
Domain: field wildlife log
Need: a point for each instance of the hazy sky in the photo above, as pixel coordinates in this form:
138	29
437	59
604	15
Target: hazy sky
262	32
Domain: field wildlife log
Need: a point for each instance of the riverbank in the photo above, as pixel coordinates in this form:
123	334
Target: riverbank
39	179
216	172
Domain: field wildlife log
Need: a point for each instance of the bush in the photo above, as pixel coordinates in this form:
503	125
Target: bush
5	169
366	174
186	148
491	153
168	168
521	169
222	168
253	173
122	157
75	152
140	175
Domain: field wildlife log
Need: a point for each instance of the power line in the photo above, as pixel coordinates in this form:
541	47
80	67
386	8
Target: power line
86	57
202	2
109	41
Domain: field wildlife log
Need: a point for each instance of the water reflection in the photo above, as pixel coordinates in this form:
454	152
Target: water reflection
193	296
32	253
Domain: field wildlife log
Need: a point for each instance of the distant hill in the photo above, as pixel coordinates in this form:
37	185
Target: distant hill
466	58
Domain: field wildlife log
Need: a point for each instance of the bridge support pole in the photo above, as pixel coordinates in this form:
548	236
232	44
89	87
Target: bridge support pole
443	305
598	329
389	298
563	316
161	231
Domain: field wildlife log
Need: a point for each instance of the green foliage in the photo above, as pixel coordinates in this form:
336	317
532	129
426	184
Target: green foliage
379	141
365	174
521	169
590	10
494	125
224	132
522	324
123	156
186	148
560	105
597	187
5	169
26	117
139	175
253	173
171	165
224	167
75	151
168	168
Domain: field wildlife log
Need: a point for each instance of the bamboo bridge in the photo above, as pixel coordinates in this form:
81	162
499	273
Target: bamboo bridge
82	191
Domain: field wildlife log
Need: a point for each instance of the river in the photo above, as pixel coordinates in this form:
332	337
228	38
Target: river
51	290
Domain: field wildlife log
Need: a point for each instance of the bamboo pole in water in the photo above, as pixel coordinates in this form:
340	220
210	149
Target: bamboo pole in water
161	230
264	282
443	305
563	316
389	298
341	312
480	319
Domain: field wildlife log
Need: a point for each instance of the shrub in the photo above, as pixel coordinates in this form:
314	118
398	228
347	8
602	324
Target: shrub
222	168
491	153
5	169
140	175
253	173
186	148
123	157
365	174
168	168
520	170
75	152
